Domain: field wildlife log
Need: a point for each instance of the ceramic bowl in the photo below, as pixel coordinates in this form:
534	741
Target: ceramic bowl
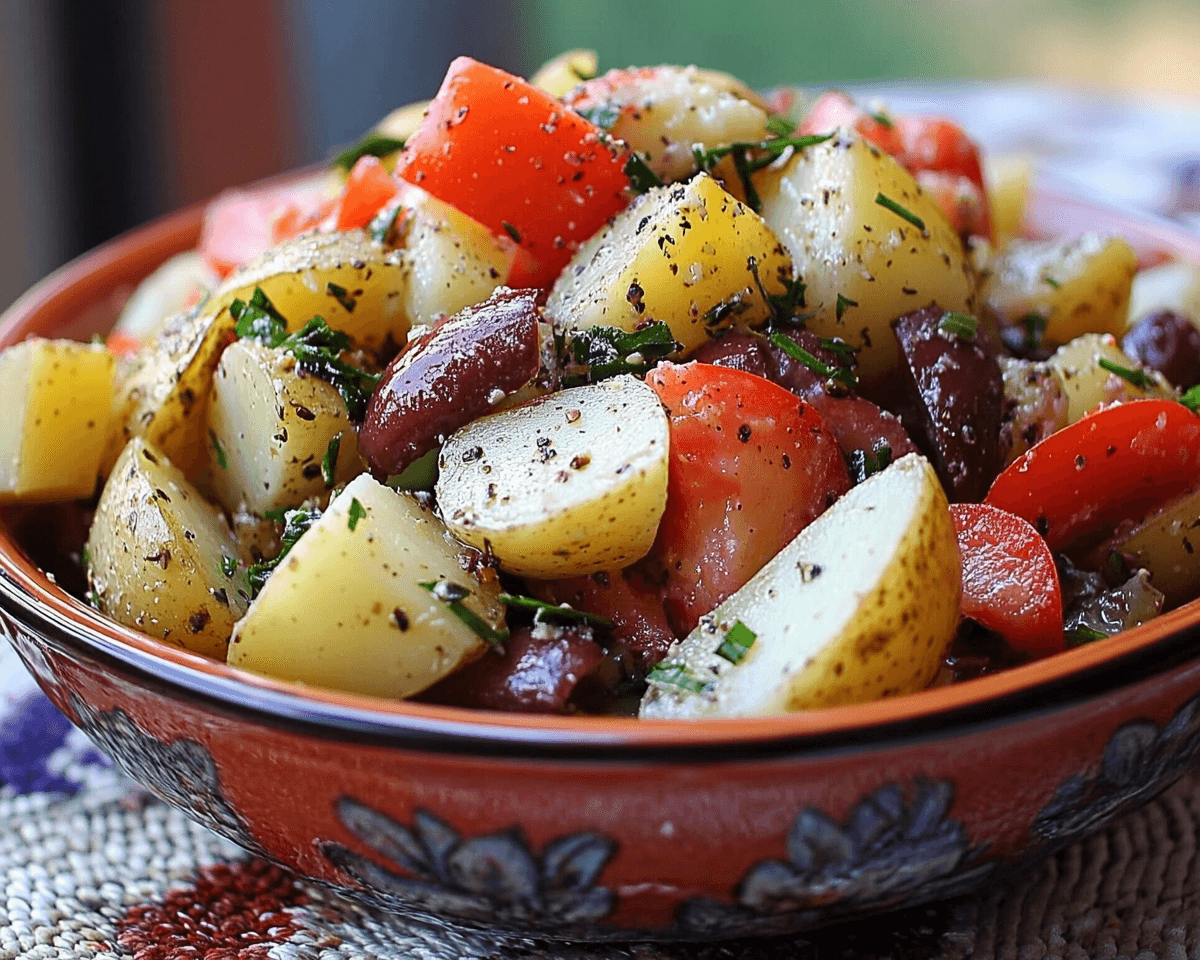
613	828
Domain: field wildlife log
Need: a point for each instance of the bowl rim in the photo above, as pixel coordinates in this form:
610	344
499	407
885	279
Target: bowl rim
1028	691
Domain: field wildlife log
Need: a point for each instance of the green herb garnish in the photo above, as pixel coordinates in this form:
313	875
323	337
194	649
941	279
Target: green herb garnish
1078	636
603	115
1052	282
604	352
960	324
1139	378
882	119
780	127
372	145
750	157
550	613
678	676
1035	329
259	320
890	204
843	375
295	523
229	565
1191	398
342	296
784	306
453	595
641	177
843	303
737	643
384	222
222	460
511	231
840	347
357	512
329	461
862	464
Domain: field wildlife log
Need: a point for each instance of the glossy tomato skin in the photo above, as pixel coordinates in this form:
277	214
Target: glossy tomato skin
518	161
368	188
1117	463
751	465
1010	582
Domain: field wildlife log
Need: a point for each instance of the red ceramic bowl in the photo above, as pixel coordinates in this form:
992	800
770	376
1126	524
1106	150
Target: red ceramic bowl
613	828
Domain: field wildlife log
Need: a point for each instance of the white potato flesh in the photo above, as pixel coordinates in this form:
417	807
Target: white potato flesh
160	557
269	429
1169	286
1079	285
404	121
861	605
559	74
346	277
567	484
1035	403
1086	384
1008	177
169	290
165	396
346	609
863	263
686	254
450	260
56	398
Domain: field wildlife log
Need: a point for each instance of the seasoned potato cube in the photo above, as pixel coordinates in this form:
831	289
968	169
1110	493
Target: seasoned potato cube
165	396
1079	285
347	278
864	263
1169	286
1086	383
1008	178
160	557
269	429
861	605
346	608
689	255
567	484
559	74
57	401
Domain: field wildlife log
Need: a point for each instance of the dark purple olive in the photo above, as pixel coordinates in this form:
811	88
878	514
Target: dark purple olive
952	399
450	376
1169	343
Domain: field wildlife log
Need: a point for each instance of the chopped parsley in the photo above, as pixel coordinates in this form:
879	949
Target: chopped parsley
342	296
890	204
677	675
372	145
959	324
222	460
603	115
229	565
862	464
295	524
329	461
453	595
843	303
356	513
1139	378
843	375
737	643
1191	398
641	177
550	613
259	320
603	352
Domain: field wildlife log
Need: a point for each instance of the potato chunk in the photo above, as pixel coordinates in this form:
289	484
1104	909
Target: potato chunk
690	255
863	263
160	557
567	484
1086	384
57	401
345	277
346	608
269	429
861	605
1078	285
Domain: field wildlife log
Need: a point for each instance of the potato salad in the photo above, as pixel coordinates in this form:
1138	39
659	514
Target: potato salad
634	392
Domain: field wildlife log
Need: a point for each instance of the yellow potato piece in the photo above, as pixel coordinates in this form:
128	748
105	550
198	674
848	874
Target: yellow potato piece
863	263
56	398
1086	384
570	68
861	605
690	255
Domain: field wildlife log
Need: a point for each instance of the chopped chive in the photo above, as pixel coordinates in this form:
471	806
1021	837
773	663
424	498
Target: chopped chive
384	222
555	614
678	676
85	557
511	231
840	347
890	204
452	595
641	177
1052	282
959	324
789	346
1078	636
1139	378
737	643
772	149
222	461
372	145
882	119
329	461
843	303
780	127
357	512
341	295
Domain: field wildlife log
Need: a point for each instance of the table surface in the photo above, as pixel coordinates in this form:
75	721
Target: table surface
93	866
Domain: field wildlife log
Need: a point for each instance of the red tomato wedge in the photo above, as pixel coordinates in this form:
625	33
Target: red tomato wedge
518	161
121	344
751	466
1115	464
1010	583
238	226
368	188
924	144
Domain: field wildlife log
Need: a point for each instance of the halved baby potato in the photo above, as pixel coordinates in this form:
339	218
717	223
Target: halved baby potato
568	484
861	605
56	398
346	608
1086	383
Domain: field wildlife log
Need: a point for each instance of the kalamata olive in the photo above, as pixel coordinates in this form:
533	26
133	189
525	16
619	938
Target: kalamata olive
952	399
449	376
1169	343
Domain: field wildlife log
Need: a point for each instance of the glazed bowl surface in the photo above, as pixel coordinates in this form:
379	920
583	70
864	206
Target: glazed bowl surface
614	828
